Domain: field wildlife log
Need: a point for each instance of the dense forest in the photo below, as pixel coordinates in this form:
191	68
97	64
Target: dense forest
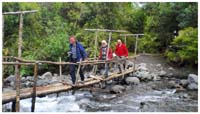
169	28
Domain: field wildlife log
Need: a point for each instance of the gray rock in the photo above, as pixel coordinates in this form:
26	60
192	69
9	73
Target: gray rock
162	73
12	84
42	83
117	89
46	75
155	77
171	68
192	78
10	78
30	78
29	84
129	64
158	65
184	83
23	79
55	74
142	67
132	80
169	74
192	86
172	84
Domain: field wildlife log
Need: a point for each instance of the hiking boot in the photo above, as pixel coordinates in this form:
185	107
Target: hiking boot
73	85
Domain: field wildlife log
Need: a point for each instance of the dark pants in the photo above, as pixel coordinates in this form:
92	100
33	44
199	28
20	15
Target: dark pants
72	71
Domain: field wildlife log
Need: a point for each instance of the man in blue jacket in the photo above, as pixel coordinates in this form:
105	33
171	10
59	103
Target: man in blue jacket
77	53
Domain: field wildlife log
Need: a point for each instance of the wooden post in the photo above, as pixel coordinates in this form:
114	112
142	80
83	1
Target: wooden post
2	46
125	39
110	34
17	74
136	44
2	27
60	67
20	27
96	45
34	87
95	54
20	36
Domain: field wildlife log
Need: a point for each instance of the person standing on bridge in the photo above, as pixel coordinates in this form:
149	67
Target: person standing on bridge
122	52
76	54
103	55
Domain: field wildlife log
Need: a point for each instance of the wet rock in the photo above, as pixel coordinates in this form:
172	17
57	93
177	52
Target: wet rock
192	86
170	68
169	74
42	83
158	65
23	79
192	78
29	84
172	84
184	83
128	87
30	78
46	75
143	75
117	89
155	77
141	67
10	78
162	73
12	84
184	96
129	64
132	80
55	74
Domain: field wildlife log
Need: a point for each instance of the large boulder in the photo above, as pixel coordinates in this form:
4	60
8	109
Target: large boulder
192	78
192	86
132	80
143	75
10	78
46	75
117	89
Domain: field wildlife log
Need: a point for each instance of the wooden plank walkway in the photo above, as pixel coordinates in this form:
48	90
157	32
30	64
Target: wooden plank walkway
59	87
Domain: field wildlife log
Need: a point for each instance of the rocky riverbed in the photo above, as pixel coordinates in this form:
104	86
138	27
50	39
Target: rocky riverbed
156	86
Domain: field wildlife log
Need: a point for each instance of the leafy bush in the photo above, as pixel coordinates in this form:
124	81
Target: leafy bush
184	48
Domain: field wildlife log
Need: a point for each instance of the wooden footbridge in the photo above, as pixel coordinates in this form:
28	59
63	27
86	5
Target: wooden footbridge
16	96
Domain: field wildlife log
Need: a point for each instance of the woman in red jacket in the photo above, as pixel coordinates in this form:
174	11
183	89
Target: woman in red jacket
103	55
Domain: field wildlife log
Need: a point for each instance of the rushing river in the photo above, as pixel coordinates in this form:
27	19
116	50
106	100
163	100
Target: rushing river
138	99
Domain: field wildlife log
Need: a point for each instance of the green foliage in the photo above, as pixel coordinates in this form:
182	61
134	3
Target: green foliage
148	43
46	33
186	47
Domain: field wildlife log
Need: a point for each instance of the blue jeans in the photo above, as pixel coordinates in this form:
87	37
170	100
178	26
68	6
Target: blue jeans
72	71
